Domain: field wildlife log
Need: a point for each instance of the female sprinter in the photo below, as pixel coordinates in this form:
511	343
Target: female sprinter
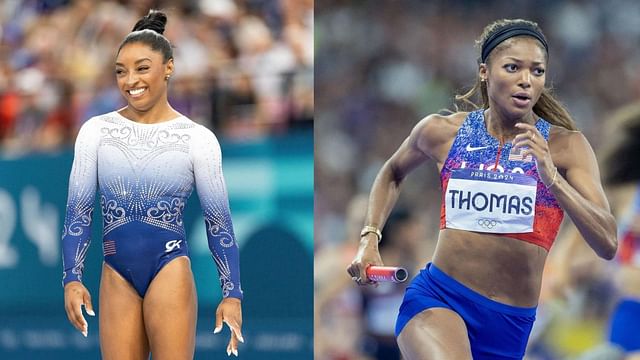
508	172
145	159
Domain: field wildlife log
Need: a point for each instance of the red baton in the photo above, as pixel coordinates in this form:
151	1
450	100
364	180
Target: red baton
387	273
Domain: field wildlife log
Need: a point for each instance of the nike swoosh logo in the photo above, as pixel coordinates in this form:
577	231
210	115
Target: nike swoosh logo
470	149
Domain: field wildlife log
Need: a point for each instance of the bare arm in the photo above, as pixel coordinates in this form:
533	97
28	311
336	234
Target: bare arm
579	192
386	186
422	144
582	197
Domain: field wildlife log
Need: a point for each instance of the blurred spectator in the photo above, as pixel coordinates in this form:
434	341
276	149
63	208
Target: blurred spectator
338	324
243	68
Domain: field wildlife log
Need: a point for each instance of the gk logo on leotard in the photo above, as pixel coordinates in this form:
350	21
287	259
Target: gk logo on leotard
172	245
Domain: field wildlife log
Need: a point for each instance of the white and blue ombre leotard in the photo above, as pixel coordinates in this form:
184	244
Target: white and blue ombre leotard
145	174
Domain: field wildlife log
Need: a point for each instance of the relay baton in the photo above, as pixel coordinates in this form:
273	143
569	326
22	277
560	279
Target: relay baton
387	273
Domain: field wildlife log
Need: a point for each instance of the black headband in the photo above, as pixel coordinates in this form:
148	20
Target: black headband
509	32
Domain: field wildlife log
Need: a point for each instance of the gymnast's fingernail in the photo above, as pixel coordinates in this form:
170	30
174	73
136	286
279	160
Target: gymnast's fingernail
241	338
217	330
90	312
228	352
235	352
85	332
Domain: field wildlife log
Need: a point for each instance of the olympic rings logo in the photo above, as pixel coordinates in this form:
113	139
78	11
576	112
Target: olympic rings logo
487	223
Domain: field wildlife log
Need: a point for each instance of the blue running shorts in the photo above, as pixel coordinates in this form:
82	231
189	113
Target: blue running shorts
496	330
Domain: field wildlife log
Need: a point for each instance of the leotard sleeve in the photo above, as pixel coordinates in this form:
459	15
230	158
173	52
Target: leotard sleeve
76	235
212	192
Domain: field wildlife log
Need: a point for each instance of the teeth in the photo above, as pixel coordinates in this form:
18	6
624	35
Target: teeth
136	91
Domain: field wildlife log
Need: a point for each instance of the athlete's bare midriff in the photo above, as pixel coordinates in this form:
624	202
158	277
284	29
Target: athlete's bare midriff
503	269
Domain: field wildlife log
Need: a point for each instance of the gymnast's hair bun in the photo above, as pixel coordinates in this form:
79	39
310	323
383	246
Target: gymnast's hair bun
155	20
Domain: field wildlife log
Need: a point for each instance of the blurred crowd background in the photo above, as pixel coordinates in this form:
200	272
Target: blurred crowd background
243	67
380	67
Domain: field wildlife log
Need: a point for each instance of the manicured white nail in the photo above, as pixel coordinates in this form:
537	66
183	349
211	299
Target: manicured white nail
228	352
235	352
90	312
241	338
85	333
217	330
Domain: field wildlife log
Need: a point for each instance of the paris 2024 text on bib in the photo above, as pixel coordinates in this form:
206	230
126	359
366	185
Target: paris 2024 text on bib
490	201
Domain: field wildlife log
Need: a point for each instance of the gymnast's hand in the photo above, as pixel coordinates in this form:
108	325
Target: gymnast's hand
230	312
76	295
367	255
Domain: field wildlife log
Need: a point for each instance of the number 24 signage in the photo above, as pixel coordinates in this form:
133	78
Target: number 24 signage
25	217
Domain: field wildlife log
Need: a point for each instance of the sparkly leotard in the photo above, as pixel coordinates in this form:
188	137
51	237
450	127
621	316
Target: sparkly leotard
145	174
474	148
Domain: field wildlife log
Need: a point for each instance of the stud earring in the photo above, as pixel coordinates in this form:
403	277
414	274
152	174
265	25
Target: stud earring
167	77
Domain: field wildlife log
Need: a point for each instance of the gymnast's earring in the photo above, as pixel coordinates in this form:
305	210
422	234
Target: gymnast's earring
167	77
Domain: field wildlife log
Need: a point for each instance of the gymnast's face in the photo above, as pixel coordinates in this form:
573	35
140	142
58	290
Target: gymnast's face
142	75
515	76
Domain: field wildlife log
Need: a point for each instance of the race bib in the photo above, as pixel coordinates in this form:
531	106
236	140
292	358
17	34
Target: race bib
490	201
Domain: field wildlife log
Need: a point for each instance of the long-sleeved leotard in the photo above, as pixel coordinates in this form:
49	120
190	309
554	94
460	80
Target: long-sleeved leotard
145	174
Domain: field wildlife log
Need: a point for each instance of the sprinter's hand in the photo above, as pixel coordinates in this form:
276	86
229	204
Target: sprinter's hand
368	254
